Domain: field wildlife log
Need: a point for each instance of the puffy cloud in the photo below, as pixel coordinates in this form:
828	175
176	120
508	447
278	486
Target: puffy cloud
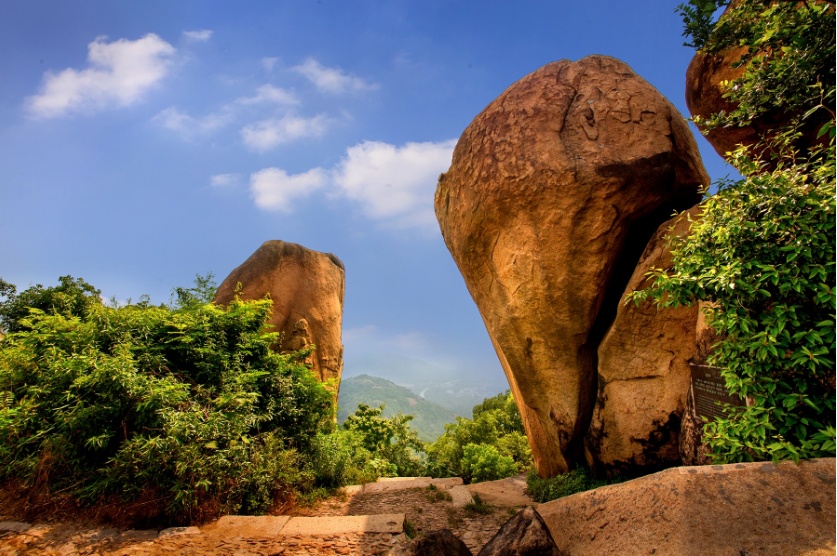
199	36
269	63
190	126
266	134
272	95
392	183
274	189
119	74
225	180
331	80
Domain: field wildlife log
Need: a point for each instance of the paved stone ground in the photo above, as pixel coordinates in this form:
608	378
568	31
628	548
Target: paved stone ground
425	508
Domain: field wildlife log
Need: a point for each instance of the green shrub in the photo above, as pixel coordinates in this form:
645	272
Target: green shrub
483	462
578	480
396	447
496	424
187	403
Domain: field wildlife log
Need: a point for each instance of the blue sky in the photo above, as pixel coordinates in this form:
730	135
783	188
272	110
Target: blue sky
144	142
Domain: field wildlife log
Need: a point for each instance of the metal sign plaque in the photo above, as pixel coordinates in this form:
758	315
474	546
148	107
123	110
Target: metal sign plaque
709	391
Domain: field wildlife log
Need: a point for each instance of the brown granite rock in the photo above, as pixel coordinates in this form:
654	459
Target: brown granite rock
435	543
525	534
704	97
705	88
746	508
553	192
307	291
643	373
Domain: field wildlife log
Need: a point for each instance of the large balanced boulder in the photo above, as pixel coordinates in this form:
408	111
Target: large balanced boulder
307	289
643	372
746	508
552	195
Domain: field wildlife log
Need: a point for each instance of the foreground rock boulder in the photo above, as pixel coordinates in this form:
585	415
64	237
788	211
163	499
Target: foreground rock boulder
307	289
435	543
746	508
552	195
525	534
643	373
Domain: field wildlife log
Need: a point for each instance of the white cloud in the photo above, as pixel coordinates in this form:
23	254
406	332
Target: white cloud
189	126
266	134
200	36
274	189
331	80
225	180
270	94
394	183
119	74
269	63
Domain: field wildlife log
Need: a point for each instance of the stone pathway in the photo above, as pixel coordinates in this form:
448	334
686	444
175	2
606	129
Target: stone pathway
366	520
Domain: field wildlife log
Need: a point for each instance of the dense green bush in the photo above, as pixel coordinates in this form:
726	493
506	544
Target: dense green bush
762	254
391	440
578	480
492	445
187	405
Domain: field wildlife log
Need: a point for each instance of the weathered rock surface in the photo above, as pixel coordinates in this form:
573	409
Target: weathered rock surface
525	534
704	97
434	543
553	192
307	290
643	373
746	508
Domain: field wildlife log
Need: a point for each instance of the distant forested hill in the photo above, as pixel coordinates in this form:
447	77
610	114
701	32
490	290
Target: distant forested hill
430	418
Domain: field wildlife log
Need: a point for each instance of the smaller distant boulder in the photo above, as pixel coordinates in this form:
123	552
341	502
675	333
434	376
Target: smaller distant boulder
307	289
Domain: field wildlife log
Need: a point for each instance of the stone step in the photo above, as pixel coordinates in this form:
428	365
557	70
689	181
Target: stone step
271	527
391	484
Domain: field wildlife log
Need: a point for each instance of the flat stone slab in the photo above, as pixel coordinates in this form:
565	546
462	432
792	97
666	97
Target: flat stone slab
390	484
744	508
138	535
401	484
506	493
447	482
254	527
177	531
339	525
14	526
460	496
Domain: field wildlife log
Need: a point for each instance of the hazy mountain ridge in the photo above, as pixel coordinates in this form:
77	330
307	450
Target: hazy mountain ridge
458	389
429	418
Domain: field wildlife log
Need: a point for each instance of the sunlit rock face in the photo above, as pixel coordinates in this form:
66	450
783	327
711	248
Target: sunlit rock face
708	79
643	372
553	193
307	289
